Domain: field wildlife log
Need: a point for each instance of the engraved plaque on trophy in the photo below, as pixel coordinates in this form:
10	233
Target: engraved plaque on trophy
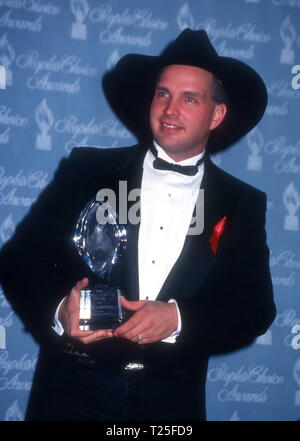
101	246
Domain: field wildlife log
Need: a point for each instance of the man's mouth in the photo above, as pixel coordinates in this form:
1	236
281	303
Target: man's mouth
170	126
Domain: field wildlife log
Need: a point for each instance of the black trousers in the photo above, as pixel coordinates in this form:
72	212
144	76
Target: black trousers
75	388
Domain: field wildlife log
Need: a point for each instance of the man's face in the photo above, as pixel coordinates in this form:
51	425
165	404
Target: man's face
182	111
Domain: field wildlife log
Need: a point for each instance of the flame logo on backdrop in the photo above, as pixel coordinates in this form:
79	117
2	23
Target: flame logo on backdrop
185	18
14	413
113	59
7	55
80	9
291	200
44	119
296	373
7	228
288	36
255	142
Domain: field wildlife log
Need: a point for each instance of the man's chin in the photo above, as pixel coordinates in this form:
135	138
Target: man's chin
170	145
178	153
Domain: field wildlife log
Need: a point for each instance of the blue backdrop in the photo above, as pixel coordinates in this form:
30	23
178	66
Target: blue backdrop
54	53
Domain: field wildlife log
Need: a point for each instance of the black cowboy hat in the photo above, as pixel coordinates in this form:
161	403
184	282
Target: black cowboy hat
130	85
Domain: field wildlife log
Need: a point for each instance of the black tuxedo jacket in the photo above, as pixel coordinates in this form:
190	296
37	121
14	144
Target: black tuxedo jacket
225	299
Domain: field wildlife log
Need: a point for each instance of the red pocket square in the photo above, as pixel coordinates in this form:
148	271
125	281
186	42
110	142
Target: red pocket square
218	230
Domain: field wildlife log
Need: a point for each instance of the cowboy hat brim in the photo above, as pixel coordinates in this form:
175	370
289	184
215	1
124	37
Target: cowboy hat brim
130	85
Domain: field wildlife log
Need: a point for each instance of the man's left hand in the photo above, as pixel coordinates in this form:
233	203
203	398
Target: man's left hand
152	321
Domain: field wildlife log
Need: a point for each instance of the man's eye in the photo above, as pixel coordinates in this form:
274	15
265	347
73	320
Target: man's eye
162	94
191	99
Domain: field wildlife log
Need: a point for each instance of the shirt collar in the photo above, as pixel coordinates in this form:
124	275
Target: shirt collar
189	161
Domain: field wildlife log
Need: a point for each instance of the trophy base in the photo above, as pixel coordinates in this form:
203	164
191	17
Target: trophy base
100	308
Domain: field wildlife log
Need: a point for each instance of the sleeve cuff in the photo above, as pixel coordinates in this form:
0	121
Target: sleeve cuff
57	326
172	337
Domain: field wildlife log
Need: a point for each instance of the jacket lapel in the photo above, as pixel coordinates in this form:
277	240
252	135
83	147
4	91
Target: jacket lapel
196	258
132	175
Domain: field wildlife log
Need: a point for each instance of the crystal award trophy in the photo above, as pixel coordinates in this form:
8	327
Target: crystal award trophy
100	245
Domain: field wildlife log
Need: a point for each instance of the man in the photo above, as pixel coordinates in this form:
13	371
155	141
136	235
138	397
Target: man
190	295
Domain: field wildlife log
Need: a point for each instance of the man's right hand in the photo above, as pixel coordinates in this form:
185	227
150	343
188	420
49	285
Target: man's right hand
69	317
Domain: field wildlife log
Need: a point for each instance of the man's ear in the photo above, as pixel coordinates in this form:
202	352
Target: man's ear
218	115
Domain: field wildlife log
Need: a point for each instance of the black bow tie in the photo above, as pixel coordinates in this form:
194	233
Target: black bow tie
161	164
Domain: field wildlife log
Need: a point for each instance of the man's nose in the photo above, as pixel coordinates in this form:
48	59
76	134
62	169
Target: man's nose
172	107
